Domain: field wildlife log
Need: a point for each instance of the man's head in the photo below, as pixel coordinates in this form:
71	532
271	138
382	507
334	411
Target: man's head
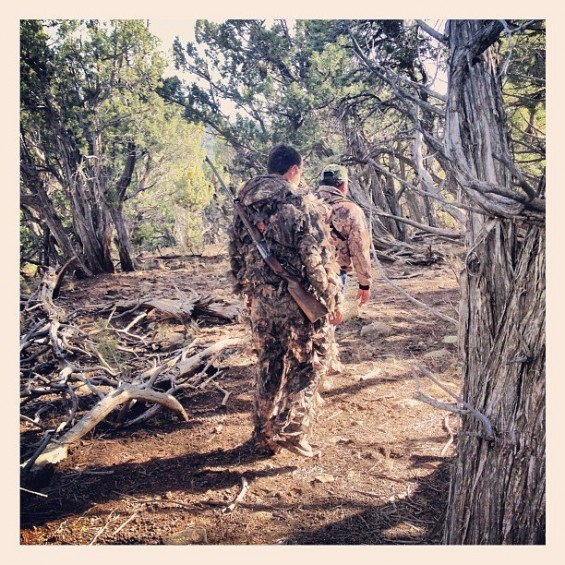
335	175
285	161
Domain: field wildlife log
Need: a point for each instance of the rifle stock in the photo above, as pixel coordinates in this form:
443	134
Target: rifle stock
309	304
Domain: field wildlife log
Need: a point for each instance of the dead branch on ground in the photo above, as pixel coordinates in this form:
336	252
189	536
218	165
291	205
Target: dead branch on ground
239	497
408	295
91	363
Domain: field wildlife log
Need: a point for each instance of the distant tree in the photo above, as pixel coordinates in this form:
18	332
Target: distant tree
263	72
95	133
170	213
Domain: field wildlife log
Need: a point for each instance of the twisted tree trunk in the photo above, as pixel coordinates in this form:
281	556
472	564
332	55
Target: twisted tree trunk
497	491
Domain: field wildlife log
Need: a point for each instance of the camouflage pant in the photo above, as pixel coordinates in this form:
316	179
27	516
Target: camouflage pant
292	359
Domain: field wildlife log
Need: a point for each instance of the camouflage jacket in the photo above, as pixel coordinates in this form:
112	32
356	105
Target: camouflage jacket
295	232
350	233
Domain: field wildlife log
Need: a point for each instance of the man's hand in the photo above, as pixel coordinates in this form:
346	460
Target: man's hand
363	296
336	317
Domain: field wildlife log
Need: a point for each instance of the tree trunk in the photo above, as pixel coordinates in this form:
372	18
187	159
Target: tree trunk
41	203
497	493
115	199
425	179
397	229
93	227
123	241
497	490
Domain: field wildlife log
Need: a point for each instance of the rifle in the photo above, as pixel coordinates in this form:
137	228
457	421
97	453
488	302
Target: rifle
310	305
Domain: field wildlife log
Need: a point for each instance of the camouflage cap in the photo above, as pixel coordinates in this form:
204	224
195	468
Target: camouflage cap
334	173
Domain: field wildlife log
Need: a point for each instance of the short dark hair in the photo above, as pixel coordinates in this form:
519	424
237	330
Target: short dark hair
281	158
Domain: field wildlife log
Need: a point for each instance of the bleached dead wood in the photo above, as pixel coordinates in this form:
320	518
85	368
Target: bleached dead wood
451	435
239	497
57	451
187	365
461	407
449	234
226	393
66	350
55	314
184	308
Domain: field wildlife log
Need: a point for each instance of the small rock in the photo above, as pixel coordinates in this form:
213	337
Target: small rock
189	536
451	339
376	329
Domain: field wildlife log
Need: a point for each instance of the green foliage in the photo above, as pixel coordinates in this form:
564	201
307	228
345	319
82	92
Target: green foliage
293	84
30	242
268	73
179	187
522	57
92	98
107	347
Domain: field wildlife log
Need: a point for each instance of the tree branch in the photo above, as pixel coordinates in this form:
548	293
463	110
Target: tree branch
464	407
432	32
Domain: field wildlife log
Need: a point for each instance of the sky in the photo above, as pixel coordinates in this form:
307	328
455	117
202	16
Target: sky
167	30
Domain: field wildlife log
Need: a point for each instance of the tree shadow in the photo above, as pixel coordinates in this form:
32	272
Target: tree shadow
72	493
413	520
358	386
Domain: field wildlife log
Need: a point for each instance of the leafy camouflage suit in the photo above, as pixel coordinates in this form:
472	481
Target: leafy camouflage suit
291	350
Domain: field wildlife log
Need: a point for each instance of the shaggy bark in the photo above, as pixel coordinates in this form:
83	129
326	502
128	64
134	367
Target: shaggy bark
497	491
39	202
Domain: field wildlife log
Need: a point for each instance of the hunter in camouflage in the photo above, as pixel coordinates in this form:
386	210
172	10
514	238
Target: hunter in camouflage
348	227
291	350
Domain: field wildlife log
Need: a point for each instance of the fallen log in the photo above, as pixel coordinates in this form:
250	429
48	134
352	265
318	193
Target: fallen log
186	309
56	451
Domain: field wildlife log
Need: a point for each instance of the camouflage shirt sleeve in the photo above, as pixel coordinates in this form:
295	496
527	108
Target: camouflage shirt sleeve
360	247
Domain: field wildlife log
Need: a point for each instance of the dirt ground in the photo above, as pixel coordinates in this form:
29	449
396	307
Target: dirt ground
382	473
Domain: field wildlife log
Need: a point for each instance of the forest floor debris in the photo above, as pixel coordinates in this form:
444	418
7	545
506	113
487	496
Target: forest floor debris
382	473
